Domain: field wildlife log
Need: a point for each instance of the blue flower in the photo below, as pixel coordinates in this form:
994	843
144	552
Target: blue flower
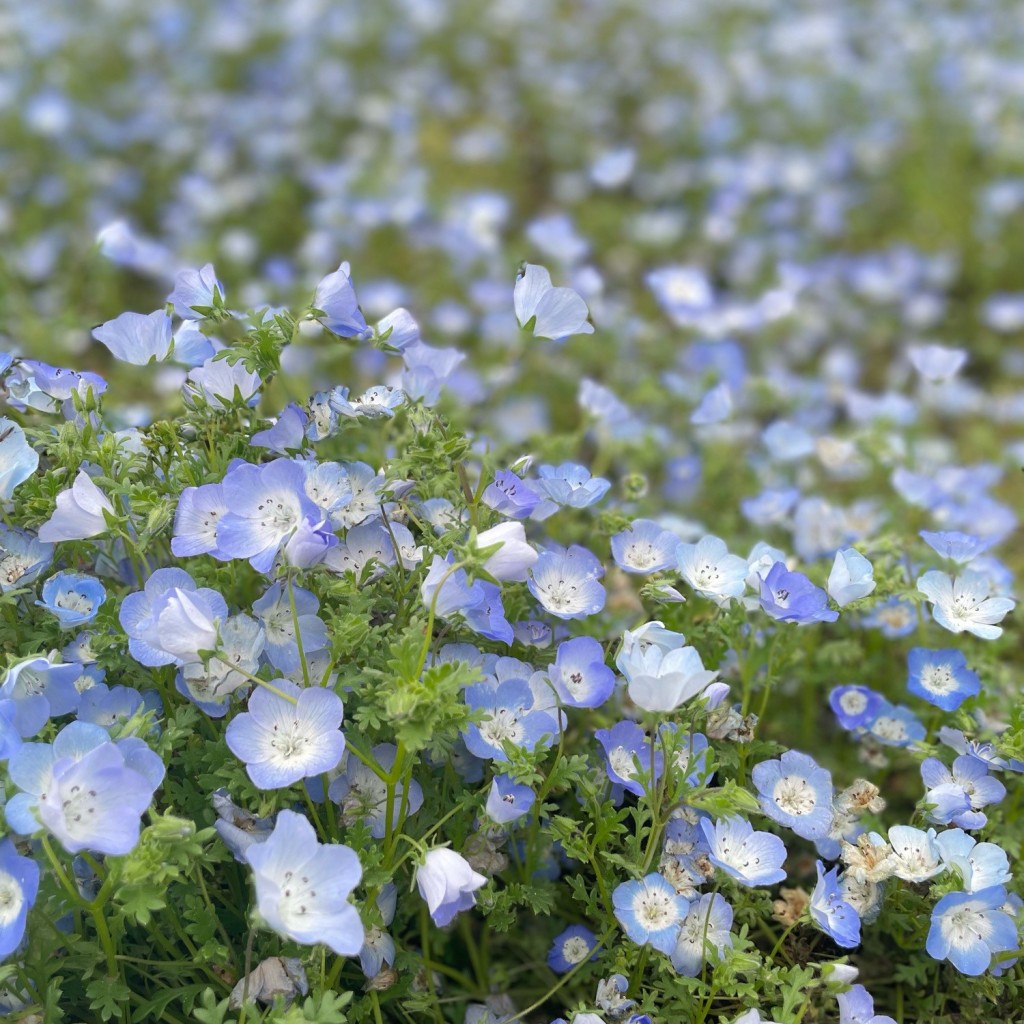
79	512
936	363
894	617
40	688
565	582
705	930
571	948
571	485
509	718
548	312
855	706
447	883
196	292
644	547
336	298
172	619
274	610
210	686
106	706
941	677
968	928
507	800
363	795
73	597
650	911
857	1007
792	597
627	750
18	459
752	858
302	886
851	577
980	865
895	725
831	912
796	792
712	572
19	884
287	434
136	338
221	384
579	674
958	794
514	497
282	742
87	791
956	546
196	518
22	558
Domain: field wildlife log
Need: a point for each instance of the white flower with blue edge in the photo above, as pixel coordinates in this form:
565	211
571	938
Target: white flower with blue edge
980	865
968	928
650	911
851	577
752	858
548	312
963	603
712	572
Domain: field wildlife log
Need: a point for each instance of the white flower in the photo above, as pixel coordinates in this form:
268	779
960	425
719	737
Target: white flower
709	568
962	603
916	855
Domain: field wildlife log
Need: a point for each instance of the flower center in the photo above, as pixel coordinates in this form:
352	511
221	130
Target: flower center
795	795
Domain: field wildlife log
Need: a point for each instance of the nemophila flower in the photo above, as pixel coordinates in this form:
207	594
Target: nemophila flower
851	577
894	725
514	497
398	329
959	793
367	545
507	800
611	995
831	912
487	616
73	597
336	299
967	929
269	513
41	687
548	312
963	603
513	558
287	434
894	617
792	597
364	495
915	854
222	384
661	680
936	363
18	459
715	406
571	485
375	402
329	486
106	706
509	717
79	513
282	742
195	520
19	884
378	947
565	582
172	619
627	751
447	590
752	858
650	911
579	674
857	1007
427	369
712	572
137	338
277	978
22	558
85	790
10	735
979	865
980	750
196	292
941	677
302	886
447	883
210	686
855	706
644	547
795	792
190	346
956	546
771	506
571	948
704	934
362	794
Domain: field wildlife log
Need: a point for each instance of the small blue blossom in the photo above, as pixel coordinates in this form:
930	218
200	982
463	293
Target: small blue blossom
79	513
627	751
968	928
514	497
958	793
957	547
22	558
509	717
221	384
274	610
795	792
705	933
73	597
571	485
752	858
19	884
507	800
941	677
40	688
644	547
660	680
363	794
571	948
282	742
712	572
302	886
831	912
565	582
855	706
650	911
196	292
895	725
857	1007
548	312
287	434
336	298
447	883
979	865
579	674
792	597
137	338
18	459
851	577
